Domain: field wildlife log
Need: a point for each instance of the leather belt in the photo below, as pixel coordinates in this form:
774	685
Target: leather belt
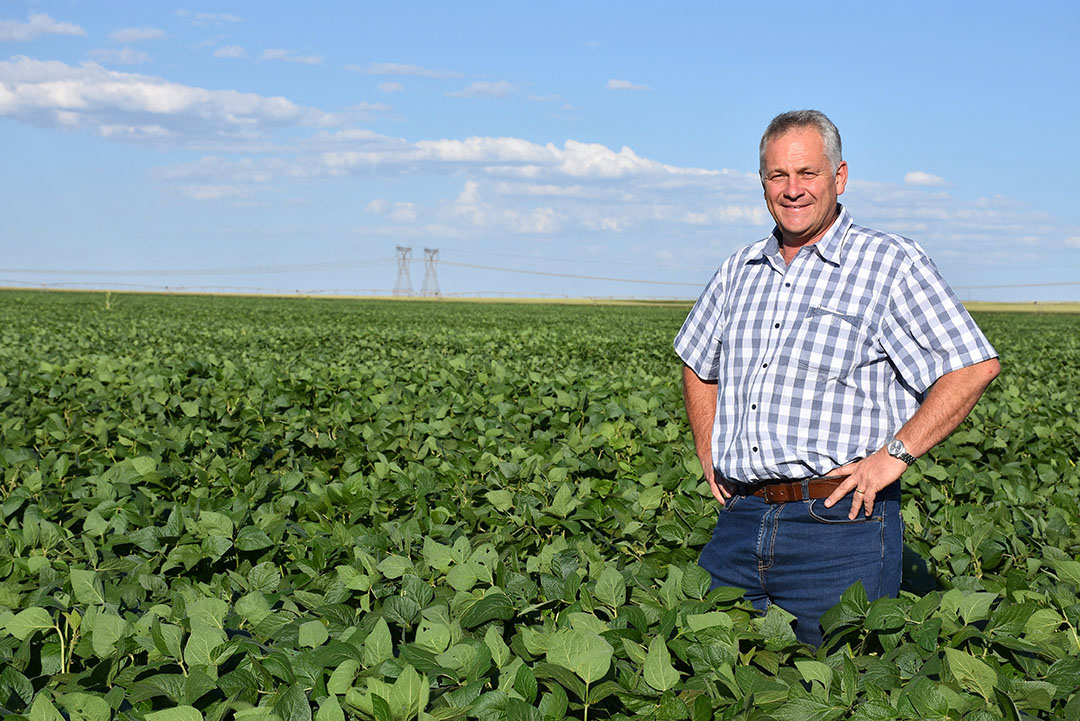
788	491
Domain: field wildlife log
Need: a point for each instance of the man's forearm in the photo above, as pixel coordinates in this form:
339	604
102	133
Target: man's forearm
700	399
946	406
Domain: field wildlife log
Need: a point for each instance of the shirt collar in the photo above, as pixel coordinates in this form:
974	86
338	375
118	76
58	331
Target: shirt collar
829	248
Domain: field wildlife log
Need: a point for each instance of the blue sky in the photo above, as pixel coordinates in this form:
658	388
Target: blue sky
271	146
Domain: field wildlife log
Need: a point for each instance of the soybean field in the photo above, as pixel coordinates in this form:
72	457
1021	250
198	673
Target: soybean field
295	509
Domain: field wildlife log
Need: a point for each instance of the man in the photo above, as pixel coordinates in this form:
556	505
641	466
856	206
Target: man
819	363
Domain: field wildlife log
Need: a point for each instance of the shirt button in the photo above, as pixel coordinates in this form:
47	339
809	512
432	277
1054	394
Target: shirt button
787	285
755	449
753	406
764	365
776	326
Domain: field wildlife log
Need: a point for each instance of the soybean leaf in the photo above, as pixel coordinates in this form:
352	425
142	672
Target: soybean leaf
658	671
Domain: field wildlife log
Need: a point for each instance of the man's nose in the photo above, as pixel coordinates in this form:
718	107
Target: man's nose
792	187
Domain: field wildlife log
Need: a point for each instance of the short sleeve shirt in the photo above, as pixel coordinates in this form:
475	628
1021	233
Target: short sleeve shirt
818	363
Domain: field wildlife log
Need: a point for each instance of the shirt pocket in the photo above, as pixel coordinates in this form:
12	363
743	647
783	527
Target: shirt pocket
829	344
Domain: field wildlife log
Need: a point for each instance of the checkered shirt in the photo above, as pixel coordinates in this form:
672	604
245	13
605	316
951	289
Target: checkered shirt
818	363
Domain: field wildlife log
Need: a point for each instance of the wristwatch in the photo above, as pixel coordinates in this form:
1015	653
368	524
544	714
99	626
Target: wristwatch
896	449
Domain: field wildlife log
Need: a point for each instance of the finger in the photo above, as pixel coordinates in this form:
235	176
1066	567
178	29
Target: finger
843	471
842	490
856	503
862	500
868	501
716	492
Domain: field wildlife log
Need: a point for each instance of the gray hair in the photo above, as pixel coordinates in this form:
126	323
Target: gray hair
803	119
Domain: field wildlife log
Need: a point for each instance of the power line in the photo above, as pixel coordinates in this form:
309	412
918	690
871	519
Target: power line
299	268
571	275
1017	285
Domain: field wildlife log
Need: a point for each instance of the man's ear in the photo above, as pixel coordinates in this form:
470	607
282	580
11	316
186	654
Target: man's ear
841	177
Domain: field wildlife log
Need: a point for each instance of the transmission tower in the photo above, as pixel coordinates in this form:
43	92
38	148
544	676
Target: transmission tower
430	288
403	286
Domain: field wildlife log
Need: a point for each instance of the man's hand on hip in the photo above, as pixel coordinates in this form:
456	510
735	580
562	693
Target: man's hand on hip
866	478
721	491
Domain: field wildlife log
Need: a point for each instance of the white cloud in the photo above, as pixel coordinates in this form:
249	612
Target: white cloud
1073	241
36	25
88	95
531	221
553	98
918	177
134	35
403	69
607	224
289	56
230	51
204	19
119	56
391	87
504	156
403	212
616	84
376	206
484	89
214	192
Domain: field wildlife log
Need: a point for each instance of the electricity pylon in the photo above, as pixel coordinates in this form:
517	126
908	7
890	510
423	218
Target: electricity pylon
403	286
430	287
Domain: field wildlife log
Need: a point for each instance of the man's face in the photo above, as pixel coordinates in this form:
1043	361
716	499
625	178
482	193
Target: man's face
800	186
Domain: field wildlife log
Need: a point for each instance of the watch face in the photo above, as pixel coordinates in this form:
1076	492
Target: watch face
895	446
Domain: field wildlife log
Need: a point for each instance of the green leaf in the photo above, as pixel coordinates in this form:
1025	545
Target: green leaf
808	709
208	612
500	652
43	710
564	502
378	646
651	497
252	538
610	588
253	607
381	708
341	680
409	695
177	713
976	606
265	577
971	672
108	628
85	706
394	566
885	614
86	587
696	581
314	633
583	652
699	621
775	626
25	622
330	710
502	500
525	683
815	671
493	605
658	671
201	644
293	705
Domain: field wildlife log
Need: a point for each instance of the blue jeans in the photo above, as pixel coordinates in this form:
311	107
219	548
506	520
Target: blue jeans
802	556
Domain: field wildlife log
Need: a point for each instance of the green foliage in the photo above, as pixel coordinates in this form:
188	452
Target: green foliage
292	509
